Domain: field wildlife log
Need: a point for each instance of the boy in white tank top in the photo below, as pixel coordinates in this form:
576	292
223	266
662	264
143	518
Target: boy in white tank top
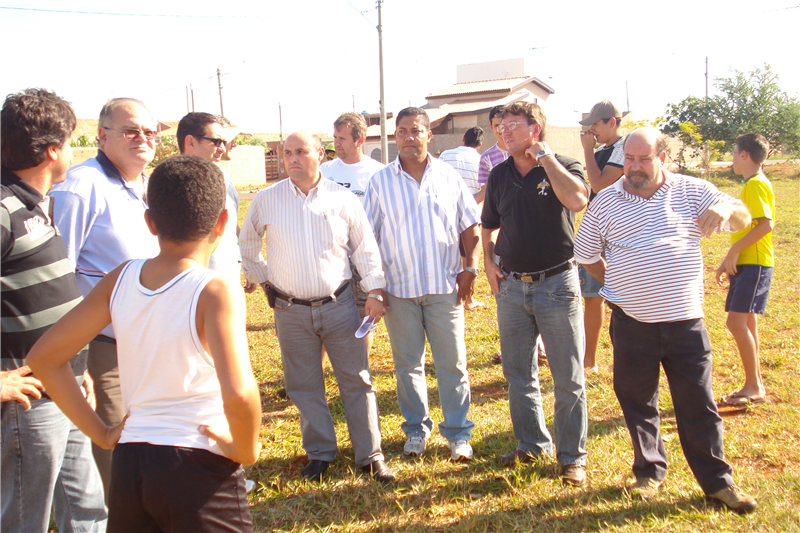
193	405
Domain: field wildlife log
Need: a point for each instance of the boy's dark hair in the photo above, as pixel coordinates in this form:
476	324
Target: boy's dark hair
497	111
414	112
194	124
754	144
616	119
32	121
185	196
532	111
473	137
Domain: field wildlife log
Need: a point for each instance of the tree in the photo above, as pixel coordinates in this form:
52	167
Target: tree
750	103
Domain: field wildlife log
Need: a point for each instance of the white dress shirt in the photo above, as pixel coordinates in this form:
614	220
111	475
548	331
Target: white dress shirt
309	239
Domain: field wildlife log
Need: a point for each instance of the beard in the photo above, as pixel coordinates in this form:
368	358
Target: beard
642	181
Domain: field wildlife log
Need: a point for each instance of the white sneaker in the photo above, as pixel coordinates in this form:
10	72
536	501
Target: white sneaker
249	485
460	450
591	370
415	446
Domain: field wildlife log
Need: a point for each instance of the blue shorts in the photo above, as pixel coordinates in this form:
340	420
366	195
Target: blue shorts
749	289
590	287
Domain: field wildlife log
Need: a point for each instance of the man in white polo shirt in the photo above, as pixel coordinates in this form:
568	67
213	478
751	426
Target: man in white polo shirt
352	170
650	223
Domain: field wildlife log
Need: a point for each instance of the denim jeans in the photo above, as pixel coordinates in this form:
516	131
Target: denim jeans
684	350
47	461
408	322
550	308
301	332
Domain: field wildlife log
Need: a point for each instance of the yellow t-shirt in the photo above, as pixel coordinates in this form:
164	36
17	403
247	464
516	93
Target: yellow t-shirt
757	195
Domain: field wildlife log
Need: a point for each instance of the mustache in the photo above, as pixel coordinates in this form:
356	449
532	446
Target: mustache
638	174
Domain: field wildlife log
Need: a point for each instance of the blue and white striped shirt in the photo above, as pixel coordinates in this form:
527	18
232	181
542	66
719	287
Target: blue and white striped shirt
309	239
418	226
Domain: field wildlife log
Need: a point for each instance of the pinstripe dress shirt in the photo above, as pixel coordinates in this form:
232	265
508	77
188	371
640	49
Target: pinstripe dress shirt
418	226
308	240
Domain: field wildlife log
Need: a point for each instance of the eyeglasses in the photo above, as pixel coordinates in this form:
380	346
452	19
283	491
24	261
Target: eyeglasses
215	142
511	126
131	133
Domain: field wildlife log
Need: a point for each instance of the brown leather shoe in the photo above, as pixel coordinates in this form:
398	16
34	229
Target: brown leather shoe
574	475
379	471
511	458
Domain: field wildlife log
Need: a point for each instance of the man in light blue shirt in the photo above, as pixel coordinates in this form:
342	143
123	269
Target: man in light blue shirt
420	208
99	211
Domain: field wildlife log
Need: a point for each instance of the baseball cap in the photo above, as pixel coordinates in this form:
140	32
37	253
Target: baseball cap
601	110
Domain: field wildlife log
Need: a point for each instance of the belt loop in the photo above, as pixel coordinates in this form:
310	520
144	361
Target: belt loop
290	300
542	276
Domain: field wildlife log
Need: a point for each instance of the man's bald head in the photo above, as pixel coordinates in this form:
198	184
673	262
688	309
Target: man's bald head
302	154
654	138
645	152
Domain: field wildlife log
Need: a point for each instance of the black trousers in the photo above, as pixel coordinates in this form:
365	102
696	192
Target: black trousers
166	488
684	350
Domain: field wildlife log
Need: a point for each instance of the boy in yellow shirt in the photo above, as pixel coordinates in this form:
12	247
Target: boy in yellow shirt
749	265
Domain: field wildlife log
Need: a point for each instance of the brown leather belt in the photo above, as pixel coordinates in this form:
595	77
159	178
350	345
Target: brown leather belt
530	277
316	302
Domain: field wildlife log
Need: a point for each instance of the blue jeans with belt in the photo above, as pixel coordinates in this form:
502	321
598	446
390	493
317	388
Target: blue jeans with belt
46	461
553	309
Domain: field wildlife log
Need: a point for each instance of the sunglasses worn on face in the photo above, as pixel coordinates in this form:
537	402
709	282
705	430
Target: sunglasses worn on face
130	133
215	142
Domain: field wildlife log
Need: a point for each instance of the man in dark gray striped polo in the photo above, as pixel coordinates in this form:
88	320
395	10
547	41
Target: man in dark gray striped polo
46	460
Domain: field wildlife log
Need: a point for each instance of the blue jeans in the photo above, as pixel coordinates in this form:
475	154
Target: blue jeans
440	318
47	461
550	308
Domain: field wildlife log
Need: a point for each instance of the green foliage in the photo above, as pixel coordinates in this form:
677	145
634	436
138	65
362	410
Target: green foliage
750	103
83	142
645	123
166	146
251	140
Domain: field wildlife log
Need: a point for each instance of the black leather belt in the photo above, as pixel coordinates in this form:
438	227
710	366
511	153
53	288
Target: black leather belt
530	277
316	302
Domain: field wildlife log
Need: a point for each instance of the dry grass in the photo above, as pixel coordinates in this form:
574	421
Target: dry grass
435	495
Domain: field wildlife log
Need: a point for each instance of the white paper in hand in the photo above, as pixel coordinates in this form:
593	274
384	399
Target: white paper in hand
366	325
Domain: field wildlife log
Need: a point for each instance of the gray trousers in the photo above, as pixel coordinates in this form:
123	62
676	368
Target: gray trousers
301	332
103	368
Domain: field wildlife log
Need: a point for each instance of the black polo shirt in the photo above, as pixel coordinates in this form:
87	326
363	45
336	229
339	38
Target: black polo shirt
536	231
38	281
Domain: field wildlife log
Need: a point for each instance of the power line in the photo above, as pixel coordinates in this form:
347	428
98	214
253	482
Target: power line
161	15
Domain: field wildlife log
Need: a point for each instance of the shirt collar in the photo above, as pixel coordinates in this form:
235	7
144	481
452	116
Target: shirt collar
313	190
669	179
22	190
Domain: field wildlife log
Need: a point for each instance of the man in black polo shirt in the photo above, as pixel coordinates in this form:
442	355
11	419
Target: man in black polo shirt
46	460
528	233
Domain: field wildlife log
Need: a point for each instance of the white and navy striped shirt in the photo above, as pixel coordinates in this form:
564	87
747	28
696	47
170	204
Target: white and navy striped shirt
419	225
655	267
309	239
466	160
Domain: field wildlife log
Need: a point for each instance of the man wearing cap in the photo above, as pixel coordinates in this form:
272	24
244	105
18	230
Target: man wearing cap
603	168
528	234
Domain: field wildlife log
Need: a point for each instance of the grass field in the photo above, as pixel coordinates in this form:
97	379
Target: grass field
433	494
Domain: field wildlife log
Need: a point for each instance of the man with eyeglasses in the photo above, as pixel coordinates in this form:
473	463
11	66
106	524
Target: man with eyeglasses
203	135
528	234
99	211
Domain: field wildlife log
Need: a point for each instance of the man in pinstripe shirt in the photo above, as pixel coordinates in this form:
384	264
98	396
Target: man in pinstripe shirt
650	223
312	226
420	208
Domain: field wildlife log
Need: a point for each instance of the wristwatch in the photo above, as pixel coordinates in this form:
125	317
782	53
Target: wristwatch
476	271
545	151
376	296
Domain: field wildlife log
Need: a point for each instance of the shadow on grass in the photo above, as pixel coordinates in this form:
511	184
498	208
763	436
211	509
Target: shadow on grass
261	327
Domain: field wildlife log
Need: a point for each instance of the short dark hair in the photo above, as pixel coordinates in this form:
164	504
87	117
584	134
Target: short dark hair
532	111
186	195
496	111
617	119
194	124
473	137
32	121
755	144
414	112
355	121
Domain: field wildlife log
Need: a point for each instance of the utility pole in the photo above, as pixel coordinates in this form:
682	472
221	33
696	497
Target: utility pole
219	82
384	143
280	122
627	98
705	141
187	99
191	89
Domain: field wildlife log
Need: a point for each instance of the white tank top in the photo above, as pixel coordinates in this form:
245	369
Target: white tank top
168	381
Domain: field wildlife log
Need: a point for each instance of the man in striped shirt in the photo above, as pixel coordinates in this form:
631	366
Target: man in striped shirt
650	223
46	460
314	228
420	208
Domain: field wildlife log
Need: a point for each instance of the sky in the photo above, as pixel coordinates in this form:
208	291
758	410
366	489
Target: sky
316	59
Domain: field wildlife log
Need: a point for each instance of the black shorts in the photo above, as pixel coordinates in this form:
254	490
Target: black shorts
166	488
